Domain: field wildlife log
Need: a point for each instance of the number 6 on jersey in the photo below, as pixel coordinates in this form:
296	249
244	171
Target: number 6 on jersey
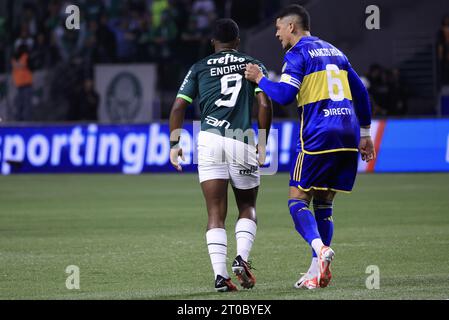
334	81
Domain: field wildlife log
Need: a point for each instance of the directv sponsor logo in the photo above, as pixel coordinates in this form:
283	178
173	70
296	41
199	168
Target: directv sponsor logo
337	112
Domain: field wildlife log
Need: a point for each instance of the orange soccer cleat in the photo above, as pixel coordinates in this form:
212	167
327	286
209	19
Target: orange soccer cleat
242	270
324	261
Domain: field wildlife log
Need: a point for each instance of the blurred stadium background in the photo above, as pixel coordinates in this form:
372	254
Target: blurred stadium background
96	100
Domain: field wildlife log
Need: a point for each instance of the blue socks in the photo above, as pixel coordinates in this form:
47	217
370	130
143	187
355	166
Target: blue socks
323	217
305	222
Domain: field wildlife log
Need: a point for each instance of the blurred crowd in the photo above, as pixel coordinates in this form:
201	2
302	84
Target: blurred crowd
443	52
388	90
125	30
171	33
388	93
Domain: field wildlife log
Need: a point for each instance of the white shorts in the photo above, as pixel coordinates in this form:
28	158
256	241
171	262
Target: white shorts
226	158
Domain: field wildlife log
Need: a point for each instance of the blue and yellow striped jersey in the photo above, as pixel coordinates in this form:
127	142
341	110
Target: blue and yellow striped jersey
325	107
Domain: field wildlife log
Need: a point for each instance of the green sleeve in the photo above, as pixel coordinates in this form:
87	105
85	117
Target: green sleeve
189	87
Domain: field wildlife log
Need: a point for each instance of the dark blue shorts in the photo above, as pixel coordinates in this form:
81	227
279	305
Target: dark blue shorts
334	171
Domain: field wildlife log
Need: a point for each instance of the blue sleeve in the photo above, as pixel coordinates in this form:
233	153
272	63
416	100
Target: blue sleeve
280	92
264	71
285	91
360	97
293	69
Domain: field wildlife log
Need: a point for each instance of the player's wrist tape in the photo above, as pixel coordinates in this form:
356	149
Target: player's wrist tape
174	144
365	132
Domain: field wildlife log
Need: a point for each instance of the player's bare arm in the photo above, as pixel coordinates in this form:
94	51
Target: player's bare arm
362	105
366	146
176	119
264	118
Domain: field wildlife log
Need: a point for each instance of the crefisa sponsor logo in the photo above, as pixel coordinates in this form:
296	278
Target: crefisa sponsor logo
228	58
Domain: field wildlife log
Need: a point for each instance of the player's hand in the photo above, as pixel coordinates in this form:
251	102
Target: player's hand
253	73
261	154
174	154
366	148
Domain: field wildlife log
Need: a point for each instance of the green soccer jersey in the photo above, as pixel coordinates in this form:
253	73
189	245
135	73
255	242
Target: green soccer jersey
225	96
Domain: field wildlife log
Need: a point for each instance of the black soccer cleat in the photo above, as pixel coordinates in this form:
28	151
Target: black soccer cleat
242	270
224	285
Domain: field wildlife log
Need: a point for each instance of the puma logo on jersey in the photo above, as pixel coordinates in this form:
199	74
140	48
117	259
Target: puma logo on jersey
214	122
186	79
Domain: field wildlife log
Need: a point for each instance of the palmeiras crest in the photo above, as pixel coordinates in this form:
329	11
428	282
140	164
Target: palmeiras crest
123	97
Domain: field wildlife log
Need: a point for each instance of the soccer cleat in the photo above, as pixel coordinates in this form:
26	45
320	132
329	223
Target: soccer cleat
242	270
324	261
307	281
224	285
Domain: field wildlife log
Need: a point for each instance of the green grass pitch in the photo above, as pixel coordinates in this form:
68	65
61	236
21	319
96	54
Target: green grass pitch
143	237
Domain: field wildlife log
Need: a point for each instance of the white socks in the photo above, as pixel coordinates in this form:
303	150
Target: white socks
245	232
217	246
314	268
317	244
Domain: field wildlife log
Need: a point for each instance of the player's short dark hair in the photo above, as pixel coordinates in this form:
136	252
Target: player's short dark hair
297	10
225	30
